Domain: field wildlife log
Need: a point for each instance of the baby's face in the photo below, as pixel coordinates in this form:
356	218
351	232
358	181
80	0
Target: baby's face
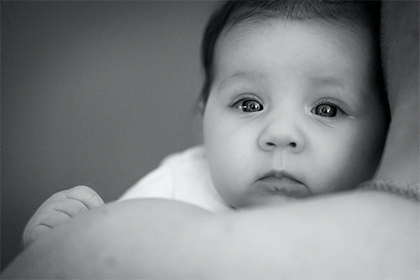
292	112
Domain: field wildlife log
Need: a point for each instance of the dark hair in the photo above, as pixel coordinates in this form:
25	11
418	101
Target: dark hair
351	13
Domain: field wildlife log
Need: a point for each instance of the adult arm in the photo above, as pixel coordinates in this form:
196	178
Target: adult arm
400	50
351	235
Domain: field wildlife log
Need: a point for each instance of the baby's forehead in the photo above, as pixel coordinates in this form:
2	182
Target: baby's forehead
358	36
259	22
347	12
314	53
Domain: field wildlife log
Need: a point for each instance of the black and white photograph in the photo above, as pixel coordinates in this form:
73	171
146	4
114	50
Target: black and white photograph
228	139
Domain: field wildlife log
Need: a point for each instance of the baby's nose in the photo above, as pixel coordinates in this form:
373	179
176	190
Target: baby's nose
282	134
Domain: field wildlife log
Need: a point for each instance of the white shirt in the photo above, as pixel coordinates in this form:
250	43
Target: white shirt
183	176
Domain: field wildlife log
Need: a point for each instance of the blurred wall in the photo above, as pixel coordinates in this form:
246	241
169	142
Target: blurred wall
93	93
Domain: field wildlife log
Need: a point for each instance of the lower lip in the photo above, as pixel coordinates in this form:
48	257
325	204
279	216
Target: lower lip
282	186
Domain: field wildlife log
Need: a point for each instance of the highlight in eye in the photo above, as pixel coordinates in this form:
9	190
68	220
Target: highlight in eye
248	105
328	109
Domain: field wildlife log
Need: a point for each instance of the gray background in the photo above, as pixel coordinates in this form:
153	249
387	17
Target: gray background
93	93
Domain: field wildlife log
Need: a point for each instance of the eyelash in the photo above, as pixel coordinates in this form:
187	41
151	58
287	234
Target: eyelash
238	104
337	110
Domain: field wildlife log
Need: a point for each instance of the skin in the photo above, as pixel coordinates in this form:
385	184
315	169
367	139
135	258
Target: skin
266	136
57	209
350	235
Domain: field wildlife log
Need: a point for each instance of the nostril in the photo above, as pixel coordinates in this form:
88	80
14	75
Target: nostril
293	144
270	144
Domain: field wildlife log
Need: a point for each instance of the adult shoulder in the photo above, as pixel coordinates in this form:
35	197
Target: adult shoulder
354	235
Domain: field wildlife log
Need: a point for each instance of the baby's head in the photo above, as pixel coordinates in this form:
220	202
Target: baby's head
293	99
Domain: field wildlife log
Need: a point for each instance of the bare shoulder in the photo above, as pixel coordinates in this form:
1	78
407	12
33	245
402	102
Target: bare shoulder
164	239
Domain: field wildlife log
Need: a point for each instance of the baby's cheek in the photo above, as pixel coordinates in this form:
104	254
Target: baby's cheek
229	180
355	168
219	175
331	171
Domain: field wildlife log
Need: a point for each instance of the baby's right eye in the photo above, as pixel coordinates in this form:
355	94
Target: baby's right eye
247	105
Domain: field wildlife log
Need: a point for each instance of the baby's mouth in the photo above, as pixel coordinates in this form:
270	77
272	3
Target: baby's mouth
282	183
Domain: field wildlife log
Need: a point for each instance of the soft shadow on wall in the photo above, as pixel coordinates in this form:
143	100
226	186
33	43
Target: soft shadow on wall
93	93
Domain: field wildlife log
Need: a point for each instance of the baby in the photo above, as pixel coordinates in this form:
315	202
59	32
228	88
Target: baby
293	107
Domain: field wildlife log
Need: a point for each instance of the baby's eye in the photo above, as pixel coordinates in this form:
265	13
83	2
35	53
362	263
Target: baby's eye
327	110
248	105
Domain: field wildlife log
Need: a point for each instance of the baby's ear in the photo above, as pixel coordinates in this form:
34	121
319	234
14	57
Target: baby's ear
198	108
201	106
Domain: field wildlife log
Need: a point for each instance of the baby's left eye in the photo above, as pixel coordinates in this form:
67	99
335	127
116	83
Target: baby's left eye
327	110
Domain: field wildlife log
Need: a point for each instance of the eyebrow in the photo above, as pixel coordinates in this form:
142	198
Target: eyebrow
335	83
245	75
326	81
